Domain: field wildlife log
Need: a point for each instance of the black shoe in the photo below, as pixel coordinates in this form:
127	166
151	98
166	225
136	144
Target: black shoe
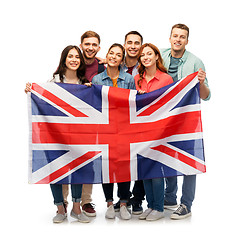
169	205
137	208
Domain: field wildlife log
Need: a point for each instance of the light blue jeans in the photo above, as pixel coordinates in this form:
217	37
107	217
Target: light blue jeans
154	189
188	190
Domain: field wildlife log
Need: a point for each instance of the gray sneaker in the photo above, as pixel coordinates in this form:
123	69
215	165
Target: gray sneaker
154	215
110	213
124	213
80	217
144	215
59	218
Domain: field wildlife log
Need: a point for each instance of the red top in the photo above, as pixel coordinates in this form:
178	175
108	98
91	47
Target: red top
91	70
160	80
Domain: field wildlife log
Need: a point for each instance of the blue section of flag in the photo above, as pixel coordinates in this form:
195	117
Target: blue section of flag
192	97
91	173
193	147
41	158
148	169
90	95
143	100
40	107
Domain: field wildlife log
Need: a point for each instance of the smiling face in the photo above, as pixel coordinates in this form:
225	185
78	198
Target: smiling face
148	57
90	47
114	57
132	45
73	60
178	40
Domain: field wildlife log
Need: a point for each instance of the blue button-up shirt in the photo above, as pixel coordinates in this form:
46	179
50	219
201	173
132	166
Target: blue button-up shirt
125	80
188	64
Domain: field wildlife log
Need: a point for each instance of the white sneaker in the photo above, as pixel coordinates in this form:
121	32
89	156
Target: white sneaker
59	218
124	213
144	215
110	213
80	217
155	215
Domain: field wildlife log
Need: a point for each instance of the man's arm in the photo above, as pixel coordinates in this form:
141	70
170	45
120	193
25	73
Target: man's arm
204	90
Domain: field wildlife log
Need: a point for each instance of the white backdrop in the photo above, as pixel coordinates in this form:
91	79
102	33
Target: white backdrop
33	34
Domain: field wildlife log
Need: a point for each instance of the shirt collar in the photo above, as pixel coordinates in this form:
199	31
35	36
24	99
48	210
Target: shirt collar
120	77
124	66
156	76
184	56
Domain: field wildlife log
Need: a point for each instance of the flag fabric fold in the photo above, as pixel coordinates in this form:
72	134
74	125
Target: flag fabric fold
102	134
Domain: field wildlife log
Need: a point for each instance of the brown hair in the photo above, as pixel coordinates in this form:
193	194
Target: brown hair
181	26
159	62
89	34
120	46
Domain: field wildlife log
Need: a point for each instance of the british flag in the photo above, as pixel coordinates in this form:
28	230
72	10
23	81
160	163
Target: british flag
102	134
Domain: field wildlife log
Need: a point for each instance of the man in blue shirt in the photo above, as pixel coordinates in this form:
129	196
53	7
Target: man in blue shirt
180	63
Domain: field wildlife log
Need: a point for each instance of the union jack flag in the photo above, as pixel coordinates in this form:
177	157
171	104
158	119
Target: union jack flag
102	134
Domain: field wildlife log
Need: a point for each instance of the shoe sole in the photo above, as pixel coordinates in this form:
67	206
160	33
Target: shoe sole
137	212
89	214
179	217
107	217
59	221
170	207
127	218
154	219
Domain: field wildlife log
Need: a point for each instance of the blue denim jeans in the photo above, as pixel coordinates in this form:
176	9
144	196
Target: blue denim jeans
154	189
57	193
188	190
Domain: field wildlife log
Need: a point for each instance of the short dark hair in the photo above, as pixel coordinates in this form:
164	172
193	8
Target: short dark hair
181	26
134	33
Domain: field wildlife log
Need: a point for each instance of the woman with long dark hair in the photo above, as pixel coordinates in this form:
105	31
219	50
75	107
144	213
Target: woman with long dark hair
71	69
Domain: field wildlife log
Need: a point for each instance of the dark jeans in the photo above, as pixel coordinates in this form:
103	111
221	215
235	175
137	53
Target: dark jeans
138	192
57	193
123	189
